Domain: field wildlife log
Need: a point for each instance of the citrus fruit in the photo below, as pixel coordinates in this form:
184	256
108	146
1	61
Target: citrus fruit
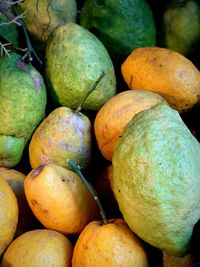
26	219
116	113
22	106
156	167
181	26
120	25
36	248
63	134
112	244
75	59
165	72
42	17
59	199
8	214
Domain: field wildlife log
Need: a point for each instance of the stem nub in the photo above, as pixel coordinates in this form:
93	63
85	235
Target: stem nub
77	169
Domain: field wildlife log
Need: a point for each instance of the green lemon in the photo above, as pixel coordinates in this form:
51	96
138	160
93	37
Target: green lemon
120	25
181	26
75	59
156	178
22	106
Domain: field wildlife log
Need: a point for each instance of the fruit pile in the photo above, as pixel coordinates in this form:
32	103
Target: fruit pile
99	133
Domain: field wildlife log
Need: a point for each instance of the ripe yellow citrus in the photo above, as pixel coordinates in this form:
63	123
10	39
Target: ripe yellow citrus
8	214
39	248
59	199
165	72
112	244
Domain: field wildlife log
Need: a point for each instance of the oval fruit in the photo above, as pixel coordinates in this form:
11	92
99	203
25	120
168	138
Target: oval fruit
8	214
59	199
63	134
156	178
75	59
165	72
120	25
112	244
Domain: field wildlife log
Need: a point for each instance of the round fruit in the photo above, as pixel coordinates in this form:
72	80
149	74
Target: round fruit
8	214
116	113
156	166
75	59
63	134
46	248
112	244
42	17
120	25
59	199
165	72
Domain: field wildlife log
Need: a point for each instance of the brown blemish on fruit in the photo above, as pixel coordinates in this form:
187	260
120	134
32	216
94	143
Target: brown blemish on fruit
35	203
37	171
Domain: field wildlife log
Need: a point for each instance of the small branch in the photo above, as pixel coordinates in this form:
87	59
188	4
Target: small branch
90	91
4	50
14	20
30	49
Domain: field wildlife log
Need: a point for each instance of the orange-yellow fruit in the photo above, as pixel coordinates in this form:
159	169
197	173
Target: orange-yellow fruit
59	199
165	72
112	244
26	219
116	113
8	214
39	248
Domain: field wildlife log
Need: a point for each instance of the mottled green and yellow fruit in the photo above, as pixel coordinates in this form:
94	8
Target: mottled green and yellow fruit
156	178
8	214
63	135
22	106
42	17
75	59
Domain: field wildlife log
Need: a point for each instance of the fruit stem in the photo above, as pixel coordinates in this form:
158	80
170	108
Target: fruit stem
30	50
89	92
77	169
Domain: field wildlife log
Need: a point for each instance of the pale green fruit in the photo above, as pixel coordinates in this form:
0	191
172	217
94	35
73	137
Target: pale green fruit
63	135
156	178
75	59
